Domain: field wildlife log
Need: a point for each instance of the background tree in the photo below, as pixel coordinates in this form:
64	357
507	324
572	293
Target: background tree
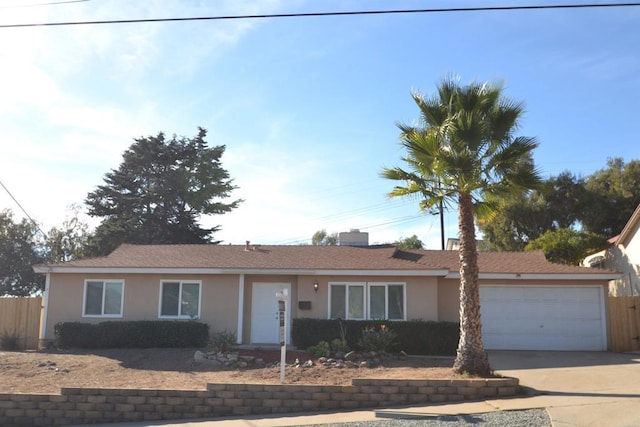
20	249
558	202
601	204
321	238
409	243
70	240
519	219
466	152
159	193
614	194
567	246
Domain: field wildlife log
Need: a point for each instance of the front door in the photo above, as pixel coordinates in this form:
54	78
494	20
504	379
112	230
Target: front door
265	321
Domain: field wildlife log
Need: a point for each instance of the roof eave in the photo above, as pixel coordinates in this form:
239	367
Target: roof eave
182	270
541	276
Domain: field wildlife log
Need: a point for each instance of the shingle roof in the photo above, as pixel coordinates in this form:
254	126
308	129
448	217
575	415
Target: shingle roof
381	257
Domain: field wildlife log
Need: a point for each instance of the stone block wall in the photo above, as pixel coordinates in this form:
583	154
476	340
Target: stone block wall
96	405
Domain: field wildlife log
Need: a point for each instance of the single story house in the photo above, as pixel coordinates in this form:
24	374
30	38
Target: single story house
526	302
623	255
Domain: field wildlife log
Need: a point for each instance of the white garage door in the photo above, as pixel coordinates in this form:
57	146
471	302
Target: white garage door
542	317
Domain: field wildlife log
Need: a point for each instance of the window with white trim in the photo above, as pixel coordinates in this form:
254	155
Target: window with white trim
103	298
372	301
180	299
347	301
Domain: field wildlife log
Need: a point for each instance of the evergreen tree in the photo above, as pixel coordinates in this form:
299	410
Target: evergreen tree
158	194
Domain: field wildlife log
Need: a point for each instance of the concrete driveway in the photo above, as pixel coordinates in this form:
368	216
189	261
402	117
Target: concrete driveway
577	388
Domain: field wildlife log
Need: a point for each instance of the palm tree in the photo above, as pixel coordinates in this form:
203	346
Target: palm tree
465	151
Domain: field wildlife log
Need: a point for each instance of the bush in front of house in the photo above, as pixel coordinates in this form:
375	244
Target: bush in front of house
222	342
321	349
417	337
132	334
380	339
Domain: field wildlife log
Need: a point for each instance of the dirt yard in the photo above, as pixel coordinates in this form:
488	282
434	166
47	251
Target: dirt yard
47	372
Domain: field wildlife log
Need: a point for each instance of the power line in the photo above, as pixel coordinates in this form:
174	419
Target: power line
23	210
16	6
324	14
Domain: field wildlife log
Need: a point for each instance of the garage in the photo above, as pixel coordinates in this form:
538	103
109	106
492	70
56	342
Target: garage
516	317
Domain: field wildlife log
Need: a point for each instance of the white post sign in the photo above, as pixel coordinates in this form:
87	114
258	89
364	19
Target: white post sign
282	311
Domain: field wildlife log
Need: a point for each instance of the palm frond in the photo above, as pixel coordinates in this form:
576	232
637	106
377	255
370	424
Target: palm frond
465	145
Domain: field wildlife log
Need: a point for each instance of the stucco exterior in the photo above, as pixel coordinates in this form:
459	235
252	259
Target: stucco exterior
623	256
64	299
220	300
237	287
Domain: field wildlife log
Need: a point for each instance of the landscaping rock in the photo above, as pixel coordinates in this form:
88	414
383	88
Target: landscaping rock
352	355
350	360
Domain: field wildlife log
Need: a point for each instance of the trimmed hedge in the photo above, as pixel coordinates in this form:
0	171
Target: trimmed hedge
132	334
416	337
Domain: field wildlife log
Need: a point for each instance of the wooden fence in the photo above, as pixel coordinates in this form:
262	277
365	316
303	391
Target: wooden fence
624	324
21	317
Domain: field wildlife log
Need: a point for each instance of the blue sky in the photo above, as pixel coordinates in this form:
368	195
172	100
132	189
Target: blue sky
305	106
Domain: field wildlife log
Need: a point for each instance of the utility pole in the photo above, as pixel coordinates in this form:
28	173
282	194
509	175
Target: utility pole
441	207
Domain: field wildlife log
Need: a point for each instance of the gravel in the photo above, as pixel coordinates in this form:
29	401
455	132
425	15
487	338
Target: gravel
528	418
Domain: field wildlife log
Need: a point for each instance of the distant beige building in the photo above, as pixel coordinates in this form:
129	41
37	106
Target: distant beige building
624	256
453	244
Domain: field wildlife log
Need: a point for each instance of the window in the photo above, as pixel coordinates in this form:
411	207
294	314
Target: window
103	298
347	301
180	299
384	301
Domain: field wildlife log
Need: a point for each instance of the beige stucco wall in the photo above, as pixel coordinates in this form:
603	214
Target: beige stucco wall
219	299
448	300
625	258
426	298
421	294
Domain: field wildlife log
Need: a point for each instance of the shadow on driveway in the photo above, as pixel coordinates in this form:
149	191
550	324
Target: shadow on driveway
503	360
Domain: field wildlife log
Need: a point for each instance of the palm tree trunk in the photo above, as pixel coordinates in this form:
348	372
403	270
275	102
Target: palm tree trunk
471	357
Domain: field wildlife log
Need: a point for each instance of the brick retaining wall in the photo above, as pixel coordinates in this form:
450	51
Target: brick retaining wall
96	405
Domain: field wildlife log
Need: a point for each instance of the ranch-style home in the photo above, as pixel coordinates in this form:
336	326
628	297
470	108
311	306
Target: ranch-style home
526	302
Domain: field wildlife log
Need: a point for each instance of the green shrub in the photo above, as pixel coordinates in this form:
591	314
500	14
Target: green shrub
9	341
320	350
132	334
221	342
417	337
377	339
340	345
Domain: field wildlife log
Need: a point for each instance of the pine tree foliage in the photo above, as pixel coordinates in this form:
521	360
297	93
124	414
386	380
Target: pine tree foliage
159	193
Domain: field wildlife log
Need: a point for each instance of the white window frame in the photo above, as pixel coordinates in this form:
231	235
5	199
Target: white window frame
367	300
104	288
386	299
346	298
181	282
